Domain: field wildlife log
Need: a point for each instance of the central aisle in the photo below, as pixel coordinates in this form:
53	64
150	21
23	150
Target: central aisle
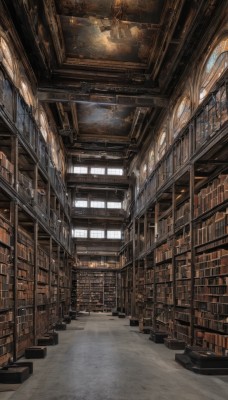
102	358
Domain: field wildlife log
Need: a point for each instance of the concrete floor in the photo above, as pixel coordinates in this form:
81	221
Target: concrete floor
102	358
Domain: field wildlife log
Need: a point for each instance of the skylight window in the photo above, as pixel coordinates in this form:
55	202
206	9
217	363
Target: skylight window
97	234
97	171
97	204
115	171
80	233
113	234
114	204
80	170
81	203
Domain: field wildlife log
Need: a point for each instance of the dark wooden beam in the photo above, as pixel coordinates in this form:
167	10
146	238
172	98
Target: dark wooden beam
50	95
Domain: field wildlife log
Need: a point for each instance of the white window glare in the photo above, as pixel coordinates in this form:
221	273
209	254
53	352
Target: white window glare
113	234
114	204
97	234
115	171
97	204
80	233
80	170
81	203
97	171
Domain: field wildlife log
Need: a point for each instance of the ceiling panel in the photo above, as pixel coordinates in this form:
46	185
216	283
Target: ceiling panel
125	10
108	40
98	119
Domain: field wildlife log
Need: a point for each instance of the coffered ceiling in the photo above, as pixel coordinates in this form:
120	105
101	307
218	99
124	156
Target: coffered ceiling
106	68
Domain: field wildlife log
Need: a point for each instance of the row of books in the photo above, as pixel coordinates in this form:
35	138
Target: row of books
182	243
6	168
219	307
211	196
43	259
4	255
215	342
25	270
183	293
210	321
183	315
25	323
212	281
212	228
212	264
164	273
5	232
43	277
164	293
182	332
182	215
164	252
204	292
183	267
165	227
25	252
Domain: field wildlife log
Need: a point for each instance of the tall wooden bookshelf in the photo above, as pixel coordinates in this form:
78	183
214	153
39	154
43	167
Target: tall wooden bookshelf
35	249
96	290
180	234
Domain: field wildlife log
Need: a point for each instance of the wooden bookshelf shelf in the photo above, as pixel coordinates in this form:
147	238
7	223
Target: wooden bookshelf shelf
33	197
184	213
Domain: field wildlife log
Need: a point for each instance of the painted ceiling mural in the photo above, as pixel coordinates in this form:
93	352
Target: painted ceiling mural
105	119
146	11
111	30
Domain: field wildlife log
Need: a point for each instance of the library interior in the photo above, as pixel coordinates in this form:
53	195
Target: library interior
113	199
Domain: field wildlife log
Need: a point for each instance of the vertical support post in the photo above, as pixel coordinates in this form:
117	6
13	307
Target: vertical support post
133	270
127	292
59	311
103	291
35	281
49	200
49	282
145	230
116	305
155	239
14	159
173	257
15	239
192	188
121	291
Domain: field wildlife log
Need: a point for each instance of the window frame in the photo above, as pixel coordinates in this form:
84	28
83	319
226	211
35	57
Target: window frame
80	168
80	230
115	169
98	170
109	231
97	236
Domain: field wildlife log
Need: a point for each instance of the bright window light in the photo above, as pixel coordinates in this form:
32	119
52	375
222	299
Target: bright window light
115	171
97	171
80	170
97	204
81	203
114	204
113	234
97	234
80	233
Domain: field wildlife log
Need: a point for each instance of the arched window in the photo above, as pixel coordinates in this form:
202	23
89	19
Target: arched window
151	160
43	125
26	92
143	173
61	165
162	143
182	115
54	152
7	58
215	65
